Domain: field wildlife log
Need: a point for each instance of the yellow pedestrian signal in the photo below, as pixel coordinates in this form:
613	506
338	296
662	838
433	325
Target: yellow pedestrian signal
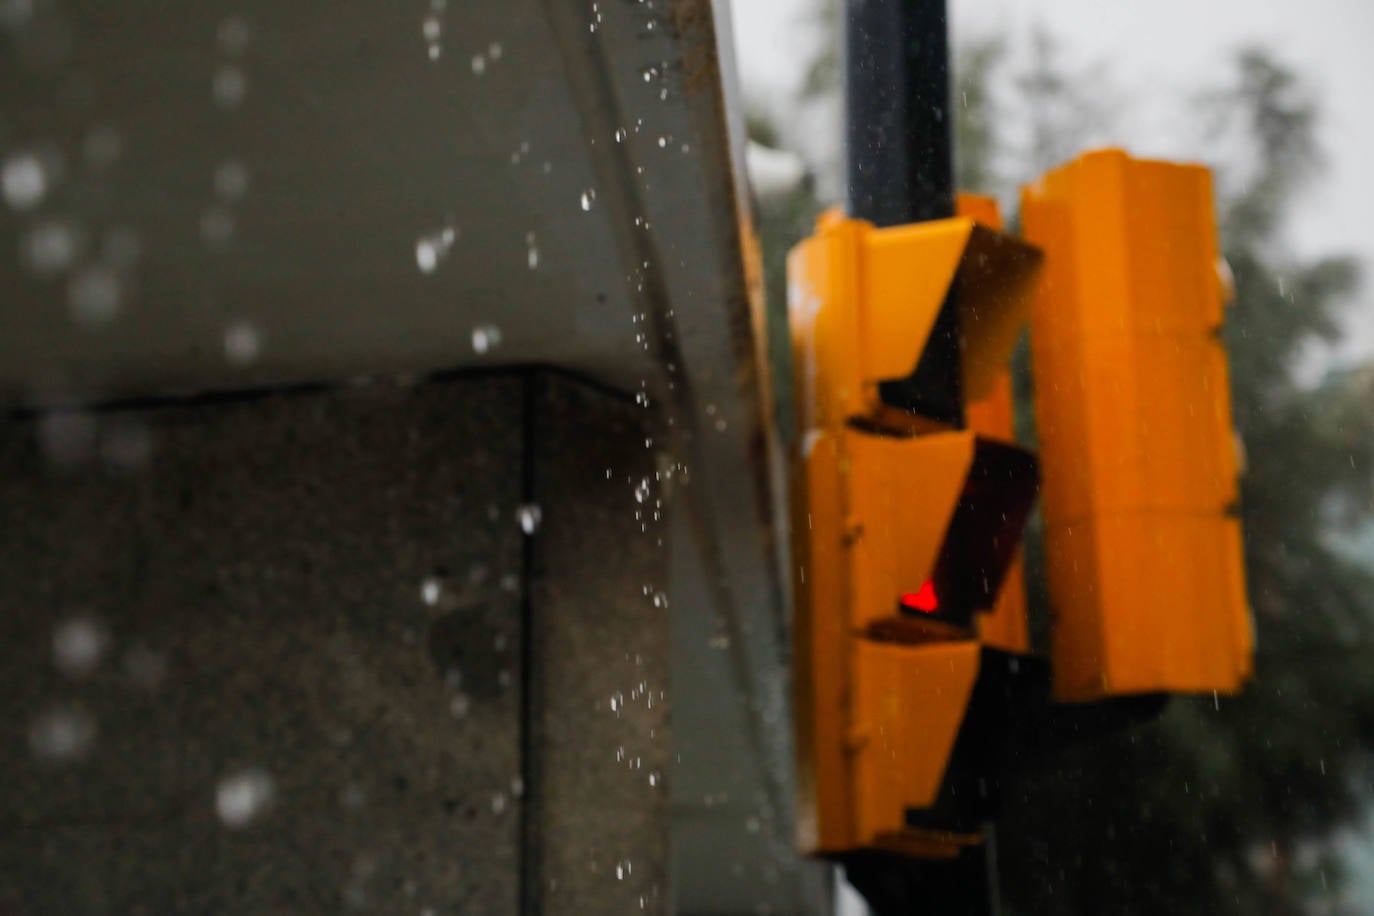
1132	397
904	525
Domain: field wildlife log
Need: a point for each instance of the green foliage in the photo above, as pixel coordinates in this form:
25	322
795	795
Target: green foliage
1225	806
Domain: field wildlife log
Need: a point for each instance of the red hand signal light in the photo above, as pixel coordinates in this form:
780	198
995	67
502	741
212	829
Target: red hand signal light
925	600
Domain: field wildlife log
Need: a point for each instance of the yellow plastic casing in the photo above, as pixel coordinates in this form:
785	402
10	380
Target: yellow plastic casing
880	696
862	301
1138	455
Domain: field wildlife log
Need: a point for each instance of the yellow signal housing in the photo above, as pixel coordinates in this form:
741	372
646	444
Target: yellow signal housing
1139	468
891	510
862	302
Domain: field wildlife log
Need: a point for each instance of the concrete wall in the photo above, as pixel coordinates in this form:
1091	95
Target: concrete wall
295	653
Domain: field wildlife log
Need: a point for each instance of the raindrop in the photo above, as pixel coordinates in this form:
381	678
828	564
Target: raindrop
498	802
479	64
532	250
588	198
620	135
243	797
529	516
431	590
62	734
485	337
24	180
433	247
242	344
459	706
662	142
432	28
78	645
229	87
649	74
517	787
231	180
653	777
660	600
51	246
495	51
93	296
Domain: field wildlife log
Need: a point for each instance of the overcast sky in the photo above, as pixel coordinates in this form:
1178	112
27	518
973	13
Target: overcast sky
1158	51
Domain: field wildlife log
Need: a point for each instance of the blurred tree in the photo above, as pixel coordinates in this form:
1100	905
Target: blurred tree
1228	806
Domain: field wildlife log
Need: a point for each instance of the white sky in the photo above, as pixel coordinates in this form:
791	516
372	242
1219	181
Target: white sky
1158	51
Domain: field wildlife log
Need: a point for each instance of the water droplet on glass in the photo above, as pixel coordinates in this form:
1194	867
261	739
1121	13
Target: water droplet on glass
532	251
459	705
588	198
62	734
94	295
479	64
660	600
242	344
24	180
78	645
433	247
529	516
243	797
485	338
495	51
229	87
620	135
431	590
517	787
231	180
51	246
498	802
432	28
662	142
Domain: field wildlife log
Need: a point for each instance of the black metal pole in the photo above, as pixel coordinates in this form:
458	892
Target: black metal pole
900	160
900	166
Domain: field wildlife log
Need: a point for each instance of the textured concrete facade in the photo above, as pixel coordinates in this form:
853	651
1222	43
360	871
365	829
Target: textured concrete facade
285	654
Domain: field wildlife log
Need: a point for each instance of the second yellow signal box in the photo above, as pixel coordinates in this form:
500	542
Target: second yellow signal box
1133	401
